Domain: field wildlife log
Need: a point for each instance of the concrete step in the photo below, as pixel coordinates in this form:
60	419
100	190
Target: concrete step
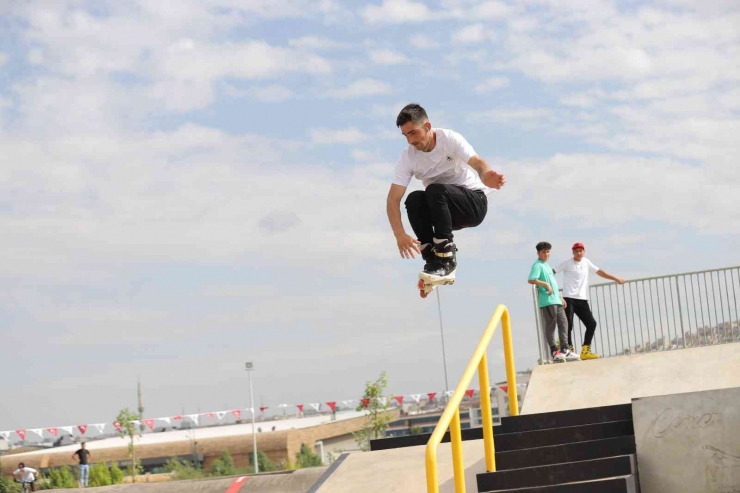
624	484
561	419
557	474
569	452
521	440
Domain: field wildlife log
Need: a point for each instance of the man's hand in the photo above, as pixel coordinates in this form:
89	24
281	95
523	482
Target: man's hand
407	245
565	303
492	179
619	280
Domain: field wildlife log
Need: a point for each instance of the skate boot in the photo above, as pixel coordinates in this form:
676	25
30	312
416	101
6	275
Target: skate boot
427	253
445	261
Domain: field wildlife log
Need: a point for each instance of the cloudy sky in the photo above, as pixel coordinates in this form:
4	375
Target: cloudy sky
185	186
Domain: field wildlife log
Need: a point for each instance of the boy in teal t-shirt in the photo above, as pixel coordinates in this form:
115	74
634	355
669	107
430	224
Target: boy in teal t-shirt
551	304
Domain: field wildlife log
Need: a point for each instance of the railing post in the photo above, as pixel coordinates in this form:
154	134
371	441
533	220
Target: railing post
680	311
458	465
537	325
509	359
486	414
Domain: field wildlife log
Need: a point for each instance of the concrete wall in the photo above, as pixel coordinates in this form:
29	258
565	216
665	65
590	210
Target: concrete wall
689	443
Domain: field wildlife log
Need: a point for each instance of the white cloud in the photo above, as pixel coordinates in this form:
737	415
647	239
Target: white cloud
492	84
3	58
492	9
423	42
400	11
511	114
350	135
474	33
387	57
316	43
273	93
580	100
361	88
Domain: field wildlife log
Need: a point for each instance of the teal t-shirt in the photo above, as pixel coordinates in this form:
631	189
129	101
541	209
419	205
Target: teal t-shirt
541	271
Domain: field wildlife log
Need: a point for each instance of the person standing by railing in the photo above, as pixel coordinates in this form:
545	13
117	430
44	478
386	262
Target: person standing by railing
575	292
551	304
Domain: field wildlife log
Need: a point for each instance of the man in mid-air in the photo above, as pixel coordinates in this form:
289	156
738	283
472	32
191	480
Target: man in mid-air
456	182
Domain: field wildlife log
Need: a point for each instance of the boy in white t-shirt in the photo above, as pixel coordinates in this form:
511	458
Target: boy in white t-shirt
575	292
26	475
456	182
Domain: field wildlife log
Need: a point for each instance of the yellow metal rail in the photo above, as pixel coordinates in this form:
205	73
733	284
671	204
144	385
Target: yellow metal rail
451	416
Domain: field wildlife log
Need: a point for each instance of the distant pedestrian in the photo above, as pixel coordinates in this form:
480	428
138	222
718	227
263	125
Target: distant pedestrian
83	456
26	475
575	291
551	304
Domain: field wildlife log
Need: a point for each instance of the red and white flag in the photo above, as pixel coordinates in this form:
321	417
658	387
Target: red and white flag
470	393
431	395
118	426
82	428
209	415
399	399
53	431
365	402
332	405
263	409
237	413
149	423
300	407
177	418
21	433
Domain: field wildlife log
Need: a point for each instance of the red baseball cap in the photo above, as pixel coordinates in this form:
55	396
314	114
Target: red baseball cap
578	245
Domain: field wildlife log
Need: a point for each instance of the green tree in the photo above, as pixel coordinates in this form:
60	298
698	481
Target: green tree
266	465
224	465
415	430
307	458
376	412
127	428
61	477
116	475
181	469
100	475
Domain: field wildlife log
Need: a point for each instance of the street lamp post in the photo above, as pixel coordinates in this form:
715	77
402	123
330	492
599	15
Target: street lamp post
250	367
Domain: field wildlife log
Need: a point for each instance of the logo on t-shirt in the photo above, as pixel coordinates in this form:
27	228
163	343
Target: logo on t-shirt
449	158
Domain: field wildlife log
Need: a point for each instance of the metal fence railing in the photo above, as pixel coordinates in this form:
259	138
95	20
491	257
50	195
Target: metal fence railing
660	313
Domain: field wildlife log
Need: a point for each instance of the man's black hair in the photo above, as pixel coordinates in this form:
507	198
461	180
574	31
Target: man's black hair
411	113
21	465
543	245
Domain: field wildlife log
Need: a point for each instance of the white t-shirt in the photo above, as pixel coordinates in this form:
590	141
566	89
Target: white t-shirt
447	163
575	277
27	475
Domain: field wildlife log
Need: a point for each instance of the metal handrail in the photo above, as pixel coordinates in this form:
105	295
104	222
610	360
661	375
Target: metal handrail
627	281
451	415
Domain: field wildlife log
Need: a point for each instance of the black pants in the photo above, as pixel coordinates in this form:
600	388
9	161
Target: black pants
441	209
583	311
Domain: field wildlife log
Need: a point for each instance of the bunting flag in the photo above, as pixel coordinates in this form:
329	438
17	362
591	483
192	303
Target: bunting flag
53	431
21	433
100	427
166	420
220	415
194	418
237	413
149	423
383	401
449	393
300	407
283	405
470	393
315	406
38	431
505	388
348	403
399	399
68	429
82	428
365	402
177	418
431	396
416	398
5	435
263	409
209	415
118	426
135	422
332	405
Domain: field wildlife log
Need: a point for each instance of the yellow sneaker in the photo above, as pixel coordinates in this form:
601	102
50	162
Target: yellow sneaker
587	354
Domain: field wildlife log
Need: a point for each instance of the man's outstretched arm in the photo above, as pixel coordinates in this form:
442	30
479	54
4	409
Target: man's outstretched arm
489	177
606	275
407	245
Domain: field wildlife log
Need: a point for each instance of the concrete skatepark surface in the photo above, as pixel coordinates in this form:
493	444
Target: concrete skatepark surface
608	381
294	482
402	470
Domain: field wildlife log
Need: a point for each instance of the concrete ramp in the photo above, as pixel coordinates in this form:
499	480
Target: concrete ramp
400	470
618	380
299	481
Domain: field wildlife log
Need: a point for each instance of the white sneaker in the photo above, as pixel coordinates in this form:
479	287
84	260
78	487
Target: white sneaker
558	357
571	356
